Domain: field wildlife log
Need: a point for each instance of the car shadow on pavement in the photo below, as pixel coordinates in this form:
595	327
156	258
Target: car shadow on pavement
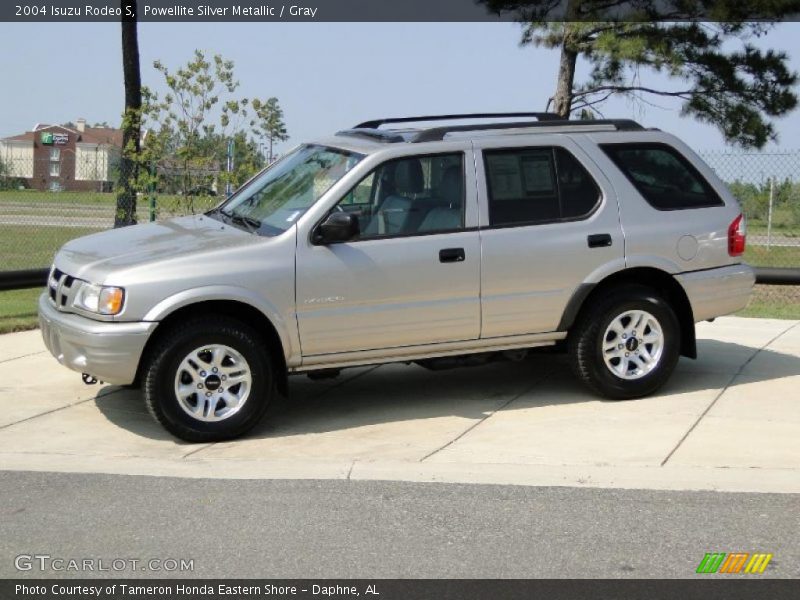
402	393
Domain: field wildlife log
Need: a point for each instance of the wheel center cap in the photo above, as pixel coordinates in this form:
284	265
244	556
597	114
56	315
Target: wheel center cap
212	382
631	344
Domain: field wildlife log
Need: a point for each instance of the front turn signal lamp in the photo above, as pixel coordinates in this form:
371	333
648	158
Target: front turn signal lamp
100	299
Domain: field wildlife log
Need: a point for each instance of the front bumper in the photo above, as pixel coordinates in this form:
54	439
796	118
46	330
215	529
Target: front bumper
108	351
716	292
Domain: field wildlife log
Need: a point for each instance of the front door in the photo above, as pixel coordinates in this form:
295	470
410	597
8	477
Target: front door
412	275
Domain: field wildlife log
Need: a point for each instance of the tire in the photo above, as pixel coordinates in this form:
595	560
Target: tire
609	359
184	358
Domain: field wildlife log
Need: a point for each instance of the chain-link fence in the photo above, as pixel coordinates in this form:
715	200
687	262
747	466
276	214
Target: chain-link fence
47	202
63	194
767	185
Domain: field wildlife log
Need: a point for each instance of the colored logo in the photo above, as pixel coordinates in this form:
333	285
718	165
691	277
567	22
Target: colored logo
734	562
49	138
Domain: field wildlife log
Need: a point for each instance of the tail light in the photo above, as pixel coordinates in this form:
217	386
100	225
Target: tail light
737	234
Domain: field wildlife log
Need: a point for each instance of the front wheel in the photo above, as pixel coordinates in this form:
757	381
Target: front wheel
209	380
627	344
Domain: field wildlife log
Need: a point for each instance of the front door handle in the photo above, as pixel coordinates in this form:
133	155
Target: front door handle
599	240
448	255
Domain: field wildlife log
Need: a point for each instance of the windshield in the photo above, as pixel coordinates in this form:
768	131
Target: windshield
275	199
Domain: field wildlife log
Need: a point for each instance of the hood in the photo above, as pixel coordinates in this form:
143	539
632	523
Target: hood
94	256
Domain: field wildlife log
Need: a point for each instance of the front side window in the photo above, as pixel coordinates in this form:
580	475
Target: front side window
55	169
537	185
273	201
664	178
55	154
409	196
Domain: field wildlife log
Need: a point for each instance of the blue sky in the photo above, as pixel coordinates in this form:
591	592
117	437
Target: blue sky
327	76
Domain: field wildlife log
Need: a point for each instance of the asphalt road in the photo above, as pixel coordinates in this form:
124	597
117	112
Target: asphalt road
325	529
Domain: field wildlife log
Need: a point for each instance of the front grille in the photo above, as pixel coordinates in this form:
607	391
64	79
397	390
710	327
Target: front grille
60	289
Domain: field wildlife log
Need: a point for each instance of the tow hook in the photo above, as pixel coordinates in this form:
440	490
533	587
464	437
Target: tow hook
88	379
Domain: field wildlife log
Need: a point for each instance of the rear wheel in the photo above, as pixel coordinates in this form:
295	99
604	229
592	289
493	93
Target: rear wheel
627	344
209	380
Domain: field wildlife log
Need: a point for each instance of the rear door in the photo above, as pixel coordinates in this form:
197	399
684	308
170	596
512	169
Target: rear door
549	223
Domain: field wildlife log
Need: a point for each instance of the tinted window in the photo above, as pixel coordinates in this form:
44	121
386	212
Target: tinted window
579	193
663	176
409	196
536	185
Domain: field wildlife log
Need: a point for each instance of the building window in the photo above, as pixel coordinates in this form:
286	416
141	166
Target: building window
55	169
55	154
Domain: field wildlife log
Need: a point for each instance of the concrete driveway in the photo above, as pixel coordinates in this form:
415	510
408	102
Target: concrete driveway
728	421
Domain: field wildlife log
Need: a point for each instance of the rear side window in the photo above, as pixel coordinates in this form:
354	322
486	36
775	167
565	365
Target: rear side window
537	185
663	176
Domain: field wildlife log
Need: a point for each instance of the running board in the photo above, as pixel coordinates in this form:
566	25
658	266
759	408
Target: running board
358	358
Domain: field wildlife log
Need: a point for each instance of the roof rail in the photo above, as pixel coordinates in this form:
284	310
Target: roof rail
438	133
375	134
541	116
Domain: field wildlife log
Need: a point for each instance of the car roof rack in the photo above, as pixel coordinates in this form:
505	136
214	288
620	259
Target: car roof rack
380	135
435	134
541	116
545	121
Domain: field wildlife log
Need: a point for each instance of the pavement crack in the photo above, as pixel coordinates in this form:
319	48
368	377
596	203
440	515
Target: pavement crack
725	389
197	450
66	406
23	356
483	419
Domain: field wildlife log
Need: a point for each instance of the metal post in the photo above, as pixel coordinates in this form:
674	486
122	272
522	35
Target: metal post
152	192
769	213
229	185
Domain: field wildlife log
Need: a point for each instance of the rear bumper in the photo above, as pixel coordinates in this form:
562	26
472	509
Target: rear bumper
716	292
109	351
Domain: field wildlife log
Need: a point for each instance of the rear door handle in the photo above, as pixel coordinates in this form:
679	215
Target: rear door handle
599	240
448	255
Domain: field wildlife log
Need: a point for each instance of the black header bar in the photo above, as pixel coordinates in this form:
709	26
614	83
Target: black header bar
71	11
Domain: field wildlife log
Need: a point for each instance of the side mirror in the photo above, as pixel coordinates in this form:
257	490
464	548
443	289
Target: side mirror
337	227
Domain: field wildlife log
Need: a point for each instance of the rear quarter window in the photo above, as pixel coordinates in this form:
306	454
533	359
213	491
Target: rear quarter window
663	176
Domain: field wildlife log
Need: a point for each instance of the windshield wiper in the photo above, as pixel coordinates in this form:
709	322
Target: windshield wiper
249	223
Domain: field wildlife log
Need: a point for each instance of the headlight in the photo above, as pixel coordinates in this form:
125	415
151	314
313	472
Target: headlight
103	300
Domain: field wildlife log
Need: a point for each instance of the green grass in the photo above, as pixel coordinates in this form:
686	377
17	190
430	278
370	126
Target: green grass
93	198
32	247
38	196
776	256
18	310
773	302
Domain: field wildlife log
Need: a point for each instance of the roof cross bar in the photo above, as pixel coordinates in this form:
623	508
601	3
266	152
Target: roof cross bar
541	116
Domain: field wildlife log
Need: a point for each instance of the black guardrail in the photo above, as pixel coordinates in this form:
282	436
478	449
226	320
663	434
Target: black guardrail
21	280
32	278
777	276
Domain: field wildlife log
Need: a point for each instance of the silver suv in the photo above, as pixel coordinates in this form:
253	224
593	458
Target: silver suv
447	245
